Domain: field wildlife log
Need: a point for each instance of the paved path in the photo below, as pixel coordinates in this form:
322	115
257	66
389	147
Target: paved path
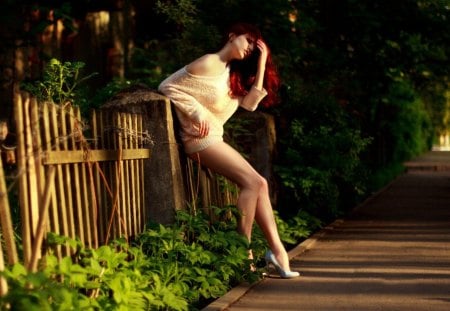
392	253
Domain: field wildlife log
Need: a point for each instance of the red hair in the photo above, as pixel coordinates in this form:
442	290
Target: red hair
243	72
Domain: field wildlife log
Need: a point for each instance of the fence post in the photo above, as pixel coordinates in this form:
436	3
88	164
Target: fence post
164	188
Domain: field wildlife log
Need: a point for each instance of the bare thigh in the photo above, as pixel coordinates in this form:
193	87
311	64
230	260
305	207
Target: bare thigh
225	160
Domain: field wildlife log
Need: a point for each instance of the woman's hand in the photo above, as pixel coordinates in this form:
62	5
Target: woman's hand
264	52
203	128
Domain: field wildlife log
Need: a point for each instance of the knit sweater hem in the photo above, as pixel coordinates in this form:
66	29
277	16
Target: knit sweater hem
198	144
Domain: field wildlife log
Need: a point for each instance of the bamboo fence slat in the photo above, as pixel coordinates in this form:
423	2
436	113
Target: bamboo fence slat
103	169
140	171
110	168
6	221
121	210
98	195
59	178
47	145
3	284
126	136
76	185
37	148
85	185
23	184
67	177
31	168
42	222
134	204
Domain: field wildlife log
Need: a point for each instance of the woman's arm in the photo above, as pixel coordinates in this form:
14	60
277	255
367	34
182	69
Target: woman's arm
257	92
264	51
186	103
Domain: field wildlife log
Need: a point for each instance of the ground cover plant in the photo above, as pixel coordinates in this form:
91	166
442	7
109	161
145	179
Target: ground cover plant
183	266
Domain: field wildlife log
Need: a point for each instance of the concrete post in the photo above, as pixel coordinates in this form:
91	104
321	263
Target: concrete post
164	193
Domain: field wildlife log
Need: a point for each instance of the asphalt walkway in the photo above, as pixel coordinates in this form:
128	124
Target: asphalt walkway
391	253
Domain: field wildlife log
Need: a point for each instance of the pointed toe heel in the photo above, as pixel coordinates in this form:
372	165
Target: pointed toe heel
285	274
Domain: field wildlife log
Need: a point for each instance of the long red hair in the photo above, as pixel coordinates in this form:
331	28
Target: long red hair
243	72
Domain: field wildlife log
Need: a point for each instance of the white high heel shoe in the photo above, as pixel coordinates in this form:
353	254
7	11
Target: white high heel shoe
270	259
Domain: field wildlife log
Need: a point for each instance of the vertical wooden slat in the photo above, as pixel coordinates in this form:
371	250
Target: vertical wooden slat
143	215
3	284
33	191
191	185
80	143
94	185
121	208
126	185
37	151
108	138
134	184
76	186
54	222
6	221
67	182
107	169
59	178
113	172
23	184
100	193
116	213
43	217
102	172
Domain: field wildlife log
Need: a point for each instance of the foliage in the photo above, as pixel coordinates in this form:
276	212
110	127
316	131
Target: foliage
60	83
296	228
178	267
321	168
406	125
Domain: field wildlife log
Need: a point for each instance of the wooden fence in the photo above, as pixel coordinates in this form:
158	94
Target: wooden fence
81	186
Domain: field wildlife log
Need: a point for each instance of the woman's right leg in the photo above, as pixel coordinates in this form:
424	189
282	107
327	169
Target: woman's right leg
253	201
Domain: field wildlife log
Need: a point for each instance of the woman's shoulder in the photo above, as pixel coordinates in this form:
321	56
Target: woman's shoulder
207	65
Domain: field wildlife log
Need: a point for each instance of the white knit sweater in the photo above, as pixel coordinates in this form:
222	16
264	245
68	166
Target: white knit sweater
198	98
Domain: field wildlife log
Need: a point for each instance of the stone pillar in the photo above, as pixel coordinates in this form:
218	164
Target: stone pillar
164	188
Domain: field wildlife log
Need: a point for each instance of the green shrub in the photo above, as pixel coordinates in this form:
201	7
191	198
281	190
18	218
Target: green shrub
61	83
320	163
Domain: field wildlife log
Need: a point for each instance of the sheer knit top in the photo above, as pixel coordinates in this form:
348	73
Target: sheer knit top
197	98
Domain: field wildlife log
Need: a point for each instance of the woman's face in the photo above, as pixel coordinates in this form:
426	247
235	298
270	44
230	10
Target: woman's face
243	45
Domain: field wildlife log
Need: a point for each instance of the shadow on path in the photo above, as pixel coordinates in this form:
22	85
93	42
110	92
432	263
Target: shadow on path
391	253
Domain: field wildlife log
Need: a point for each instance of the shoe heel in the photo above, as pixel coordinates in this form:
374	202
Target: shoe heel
270	259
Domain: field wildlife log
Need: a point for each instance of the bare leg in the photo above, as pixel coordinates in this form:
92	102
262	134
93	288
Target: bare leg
253	202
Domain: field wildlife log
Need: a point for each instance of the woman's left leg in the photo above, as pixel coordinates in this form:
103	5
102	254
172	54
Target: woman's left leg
254	201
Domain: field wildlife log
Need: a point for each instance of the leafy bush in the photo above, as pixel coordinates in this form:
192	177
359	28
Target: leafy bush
178	267
320	166
61	83
406	125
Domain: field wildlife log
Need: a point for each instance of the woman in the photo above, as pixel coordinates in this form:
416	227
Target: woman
206	93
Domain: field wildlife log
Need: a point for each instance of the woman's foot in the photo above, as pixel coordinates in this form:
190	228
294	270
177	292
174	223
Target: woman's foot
284	273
